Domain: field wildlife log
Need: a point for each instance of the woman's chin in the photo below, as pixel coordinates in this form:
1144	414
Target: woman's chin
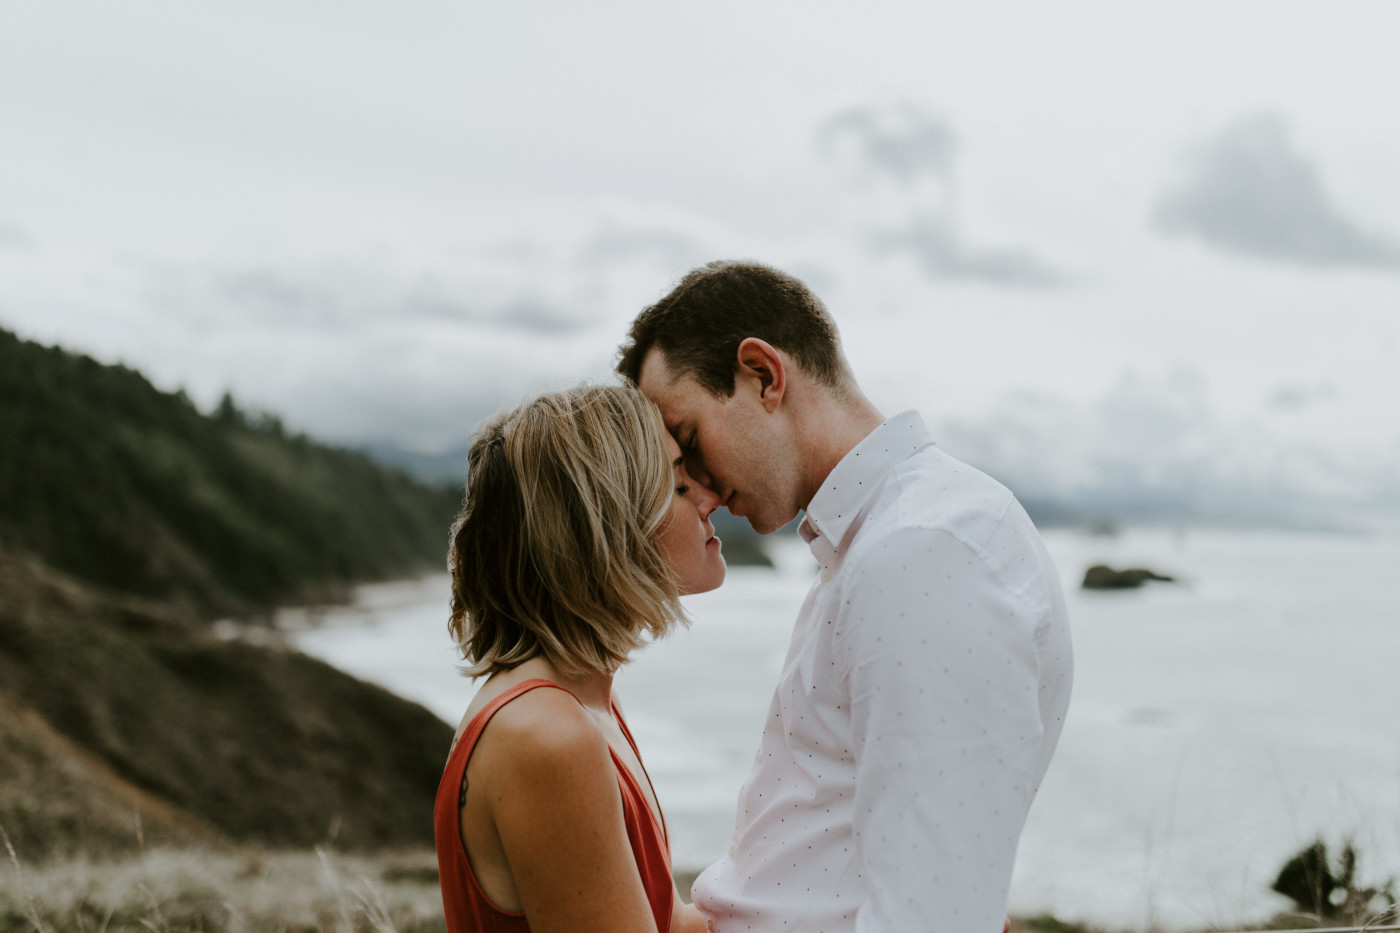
710	581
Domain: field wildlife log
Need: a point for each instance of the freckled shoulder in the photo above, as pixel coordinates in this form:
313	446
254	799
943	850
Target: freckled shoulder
543	729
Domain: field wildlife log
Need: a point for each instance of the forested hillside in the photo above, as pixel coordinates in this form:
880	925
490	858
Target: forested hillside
115	482
128	520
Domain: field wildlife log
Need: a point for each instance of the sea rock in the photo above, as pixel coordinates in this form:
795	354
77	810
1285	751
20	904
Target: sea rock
1103	577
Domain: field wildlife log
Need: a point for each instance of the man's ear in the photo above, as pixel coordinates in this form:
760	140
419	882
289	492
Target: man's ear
759	360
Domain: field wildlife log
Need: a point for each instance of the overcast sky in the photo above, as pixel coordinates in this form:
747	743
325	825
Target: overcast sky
1088	240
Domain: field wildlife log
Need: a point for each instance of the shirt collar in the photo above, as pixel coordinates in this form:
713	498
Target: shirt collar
849	488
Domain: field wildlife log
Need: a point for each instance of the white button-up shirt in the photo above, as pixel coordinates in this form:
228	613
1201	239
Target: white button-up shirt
921	699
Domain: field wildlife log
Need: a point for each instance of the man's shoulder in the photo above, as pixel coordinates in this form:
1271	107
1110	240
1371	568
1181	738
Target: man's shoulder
934	491
933	502
939	512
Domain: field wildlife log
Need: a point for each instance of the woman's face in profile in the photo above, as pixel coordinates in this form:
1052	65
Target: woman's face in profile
687	539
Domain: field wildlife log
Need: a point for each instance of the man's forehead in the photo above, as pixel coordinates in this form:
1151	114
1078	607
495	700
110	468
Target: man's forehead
655	373
673	416
674	395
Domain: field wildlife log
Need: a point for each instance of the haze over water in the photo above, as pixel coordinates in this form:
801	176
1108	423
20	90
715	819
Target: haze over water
1218	724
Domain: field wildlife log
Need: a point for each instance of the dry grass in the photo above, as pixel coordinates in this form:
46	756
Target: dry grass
182	890
178	890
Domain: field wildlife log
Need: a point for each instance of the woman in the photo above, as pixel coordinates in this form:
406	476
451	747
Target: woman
579	532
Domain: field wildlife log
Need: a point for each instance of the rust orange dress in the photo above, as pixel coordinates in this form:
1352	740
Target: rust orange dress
467	907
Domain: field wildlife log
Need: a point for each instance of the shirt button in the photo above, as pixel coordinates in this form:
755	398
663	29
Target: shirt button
826	575
732	851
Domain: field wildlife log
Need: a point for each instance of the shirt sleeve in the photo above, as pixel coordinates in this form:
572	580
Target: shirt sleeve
941	660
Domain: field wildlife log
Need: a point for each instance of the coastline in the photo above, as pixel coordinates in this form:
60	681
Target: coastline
1218	723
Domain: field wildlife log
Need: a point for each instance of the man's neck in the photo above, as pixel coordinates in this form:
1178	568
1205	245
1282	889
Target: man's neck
830	429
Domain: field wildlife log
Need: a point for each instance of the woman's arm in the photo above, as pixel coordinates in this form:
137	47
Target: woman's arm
552	793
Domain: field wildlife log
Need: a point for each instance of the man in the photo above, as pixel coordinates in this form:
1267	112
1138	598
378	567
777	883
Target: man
930	666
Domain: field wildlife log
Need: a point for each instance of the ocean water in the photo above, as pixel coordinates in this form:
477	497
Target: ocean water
1218	724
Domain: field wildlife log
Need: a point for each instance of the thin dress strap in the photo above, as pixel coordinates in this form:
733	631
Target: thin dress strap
466	904
483	716
627	733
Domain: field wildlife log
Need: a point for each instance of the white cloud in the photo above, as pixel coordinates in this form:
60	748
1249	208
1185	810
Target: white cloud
343	295
900	141
406	347
936	246
1296	397
1155	448
900	159
375	221
1248	191
13	236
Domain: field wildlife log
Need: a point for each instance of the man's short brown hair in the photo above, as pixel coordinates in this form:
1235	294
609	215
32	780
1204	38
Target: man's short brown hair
698	327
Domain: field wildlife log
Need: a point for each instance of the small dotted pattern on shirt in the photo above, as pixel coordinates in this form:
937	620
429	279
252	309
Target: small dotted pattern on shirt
919	704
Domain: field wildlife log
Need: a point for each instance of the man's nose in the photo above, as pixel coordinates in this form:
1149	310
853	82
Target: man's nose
695	466
706	500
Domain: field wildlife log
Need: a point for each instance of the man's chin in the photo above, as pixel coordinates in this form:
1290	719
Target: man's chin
761	523
766	524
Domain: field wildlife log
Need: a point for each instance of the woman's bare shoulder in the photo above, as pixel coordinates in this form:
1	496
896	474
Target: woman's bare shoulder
544	728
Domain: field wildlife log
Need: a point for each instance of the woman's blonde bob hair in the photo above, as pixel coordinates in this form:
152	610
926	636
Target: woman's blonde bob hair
554	552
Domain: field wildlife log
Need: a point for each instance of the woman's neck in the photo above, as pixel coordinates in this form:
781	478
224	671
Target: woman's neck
593	690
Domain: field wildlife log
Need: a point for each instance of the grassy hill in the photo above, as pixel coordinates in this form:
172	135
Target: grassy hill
118	707
128	520
115	482
59	799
